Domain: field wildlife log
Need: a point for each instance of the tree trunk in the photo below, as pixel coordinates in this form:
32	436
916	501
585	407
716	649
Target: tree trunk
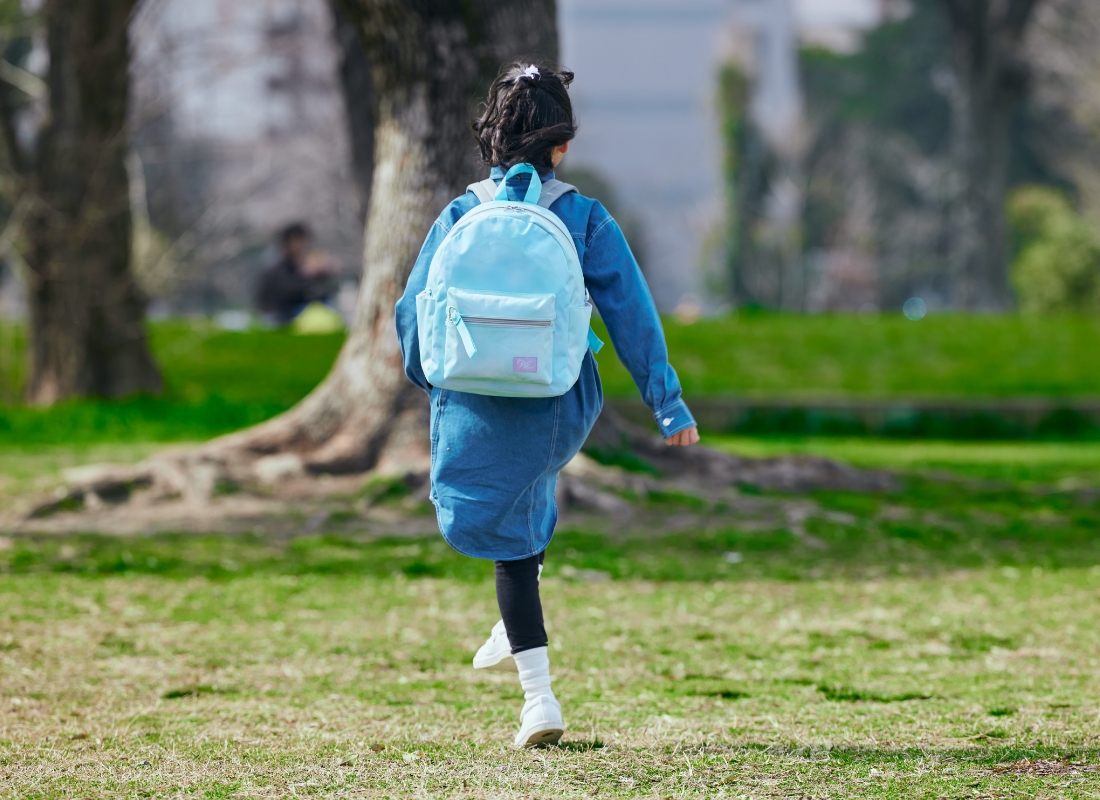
355	77
990	79
87	330
430	61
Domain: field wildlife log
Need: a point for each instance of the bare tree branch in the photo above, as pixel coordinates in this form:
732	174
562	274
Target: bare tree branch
26	82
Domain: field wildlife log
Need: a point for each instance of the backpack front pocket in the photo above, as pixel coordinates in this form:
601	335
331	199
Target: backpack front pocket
500	337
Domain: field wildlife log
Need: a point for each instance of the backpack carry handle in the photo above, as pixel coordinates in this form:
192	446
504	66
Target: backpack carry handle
534	188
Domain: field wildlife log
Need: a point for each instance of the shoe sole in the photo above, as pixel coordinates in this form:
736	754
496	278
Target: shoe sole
545	738
505	663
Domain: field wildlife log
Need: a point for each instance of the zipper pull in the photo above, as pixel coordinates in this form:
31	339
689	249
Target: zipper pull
455	319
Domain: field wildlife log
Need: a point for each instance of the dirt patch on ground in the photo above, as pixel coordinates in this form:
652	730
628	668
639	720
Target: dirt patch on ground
1045	767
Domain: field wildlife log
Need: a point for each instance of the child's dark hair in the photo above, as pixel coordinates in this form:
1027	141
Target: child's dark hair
527	115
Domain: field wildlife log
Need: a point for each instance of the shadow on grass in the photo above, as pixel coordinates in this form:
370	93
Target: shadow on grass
848	695
195	691
996	759
580	745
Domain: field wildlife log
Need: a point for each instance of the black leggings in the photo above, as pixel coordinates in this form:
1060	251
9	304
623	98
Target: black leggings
520	607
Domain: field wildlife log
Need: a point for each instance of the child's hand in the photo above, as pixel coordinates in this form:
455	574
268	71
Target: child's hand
687	436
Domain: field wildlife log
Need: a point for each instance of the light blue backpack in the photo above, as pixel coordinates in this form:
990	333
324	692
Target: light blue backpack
505	311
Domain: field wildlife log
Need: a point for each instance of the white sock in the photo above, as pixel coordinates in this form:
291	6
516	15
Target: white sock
534	672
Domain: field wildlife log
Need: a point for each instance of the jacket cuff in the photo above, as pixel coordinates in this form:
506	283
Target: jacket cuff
673	417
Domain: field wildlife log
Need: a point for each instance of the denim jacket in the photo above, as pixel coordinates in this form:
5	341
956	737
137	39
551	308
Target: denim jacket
495	460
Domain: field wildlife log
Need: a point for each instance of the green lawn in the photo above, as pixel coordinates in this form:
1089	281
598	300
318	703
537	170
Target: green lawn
215	382
218	381
977	684
881	356
939	640
1067	464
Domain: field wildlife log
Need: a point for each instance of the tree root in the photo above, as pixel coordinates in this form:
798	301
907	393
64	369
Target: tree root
614	440
264	460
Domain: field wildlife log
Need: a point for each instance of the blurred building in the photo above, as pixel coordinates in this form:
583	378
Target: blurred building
645	94
239	128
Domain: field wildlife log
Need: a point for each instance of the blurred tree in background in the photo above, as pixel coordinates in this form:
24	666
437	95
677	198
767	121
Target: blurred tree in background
1063	108
358	89
1057	266
879	163
744	162
990	79
914	142
64	150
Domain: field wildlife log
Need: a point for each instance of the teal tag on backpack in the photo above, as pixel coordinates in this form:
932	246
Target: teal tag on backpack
594	342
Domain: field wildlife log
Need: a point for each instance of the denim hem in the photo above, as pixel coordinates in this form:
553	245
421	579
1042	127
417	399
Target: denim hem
490	557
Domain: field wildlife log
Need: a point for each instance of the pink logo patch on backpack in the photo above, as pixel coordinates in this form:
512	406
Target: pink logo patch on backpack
525	364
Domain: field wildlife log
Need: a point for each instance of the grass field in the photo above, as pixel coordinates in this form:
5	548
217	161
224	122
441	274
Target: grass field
217	381
1068	464
978	684
940	640
880	356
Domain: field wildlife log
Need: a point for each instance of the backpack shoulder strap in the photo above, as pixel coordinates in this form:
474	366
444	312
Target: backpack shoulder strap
552	190
485	190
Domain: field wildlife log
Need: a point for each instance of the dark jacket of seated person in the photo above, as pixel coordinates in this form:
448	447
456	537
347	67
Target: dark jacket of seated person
288	286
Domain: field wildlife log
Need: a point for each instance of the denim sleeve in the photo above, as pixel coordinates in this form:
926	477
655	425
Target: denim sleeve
405	315
619	291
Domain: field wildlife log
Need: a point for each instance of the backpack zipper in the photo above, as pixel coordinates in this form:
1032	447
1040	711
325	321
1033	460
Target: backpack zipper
506	322
456	319
460	322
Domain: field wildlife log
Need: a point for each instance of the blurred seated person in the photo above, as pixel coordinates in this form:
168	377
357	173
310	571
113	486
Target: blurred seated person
297	279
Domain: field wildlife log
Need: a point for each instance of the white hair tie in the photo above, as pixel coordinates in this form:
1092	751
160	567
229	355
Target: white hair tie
531	72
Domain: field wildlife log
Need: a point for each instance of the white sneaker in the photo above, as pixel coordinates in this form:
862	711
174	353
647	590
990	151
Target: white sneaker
496	649
540	722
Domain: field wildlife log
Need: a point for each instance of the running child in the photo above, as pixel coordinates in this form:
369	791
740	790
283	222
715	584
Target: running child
493	324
